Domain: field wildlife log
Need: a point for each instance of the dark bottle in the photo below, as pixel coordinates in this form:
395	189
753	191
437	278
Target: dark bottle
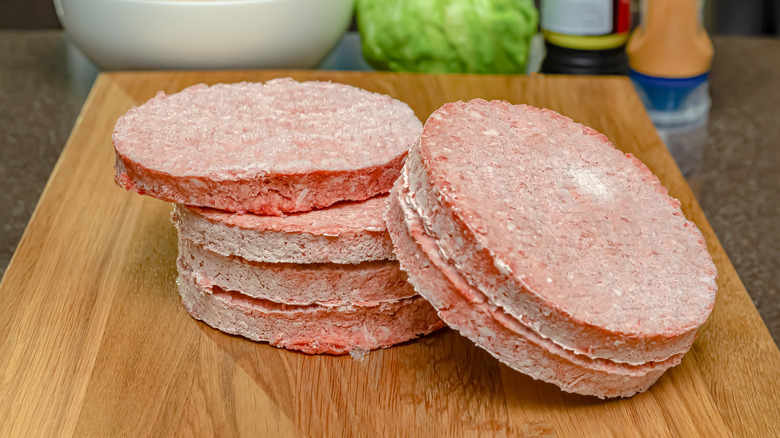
585	36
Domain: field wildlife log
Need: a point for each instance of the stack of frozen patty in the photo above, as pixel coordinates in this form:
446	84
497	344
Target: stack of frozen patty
558	254
280	190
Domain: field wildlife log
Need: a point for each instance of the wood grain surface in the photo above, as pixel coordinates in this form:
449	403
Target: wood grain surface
94	340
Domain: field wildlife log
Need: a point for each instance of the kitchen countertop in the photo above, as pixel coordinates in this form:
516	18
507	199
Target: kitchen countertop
43	84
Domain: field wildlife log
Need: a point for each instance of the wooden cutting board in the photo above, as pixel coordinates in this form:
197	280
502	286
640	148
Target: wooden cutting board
94	340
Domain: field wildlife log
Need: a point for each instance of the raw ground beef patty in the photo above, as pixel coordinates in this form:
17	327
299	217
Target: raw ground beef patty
327	284
559	233
282	146
311	329
348	232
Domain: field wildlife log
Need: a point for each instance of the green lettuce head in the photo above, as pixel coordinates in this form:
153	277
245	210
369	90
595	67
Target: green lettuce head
447	36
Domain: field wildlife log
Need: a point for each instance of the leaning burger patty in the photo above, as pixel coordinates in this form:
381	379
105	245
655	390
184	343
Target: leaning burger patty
281	146
575	239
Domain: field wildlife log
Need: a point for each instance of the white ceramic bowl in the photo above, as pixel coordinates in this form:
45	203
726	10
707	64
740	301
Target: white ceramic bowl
204	34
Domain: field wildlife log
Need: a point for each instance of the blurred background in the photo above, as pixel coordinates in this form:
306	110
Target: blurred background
734	17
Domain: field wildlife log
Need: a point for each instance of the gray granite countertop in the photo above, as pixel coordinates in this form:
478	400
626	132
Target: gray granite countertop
42	90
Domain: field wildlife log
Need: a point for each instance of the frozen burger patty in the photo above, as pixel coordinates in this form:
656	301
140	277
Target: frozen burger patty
267	148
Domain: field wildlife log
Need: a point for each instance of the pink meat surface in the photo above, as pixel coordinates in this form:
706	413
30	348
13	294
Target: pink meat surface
282	146
577	240
467	310
326	284
311	329
348	232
